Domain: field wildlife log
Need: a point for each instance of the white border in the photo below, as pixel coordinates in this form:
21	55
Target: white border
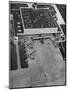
4	44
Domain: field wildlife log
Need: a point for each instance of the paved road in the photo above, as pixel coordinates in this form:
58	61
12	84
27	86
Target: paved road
48	68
